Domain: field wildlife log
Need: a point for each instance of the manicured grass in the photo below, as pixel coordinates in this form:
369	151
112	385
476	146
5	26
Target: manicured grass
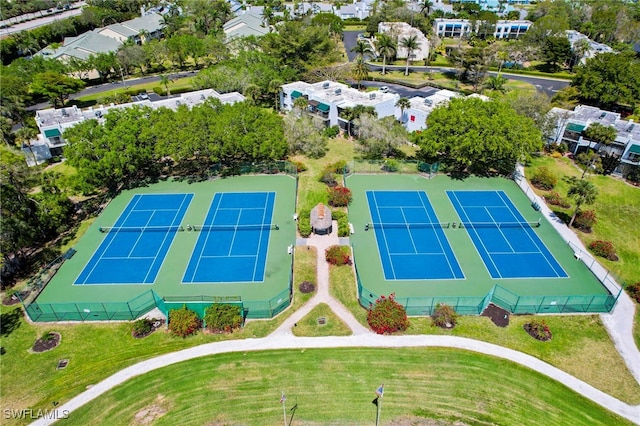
580	344
177	84
616	206
342	286
309	325
304	269
310	190
336	386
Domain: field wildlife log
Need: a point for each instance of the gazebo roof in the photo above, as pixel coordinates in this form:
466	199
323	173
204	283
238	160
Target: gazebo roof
320	217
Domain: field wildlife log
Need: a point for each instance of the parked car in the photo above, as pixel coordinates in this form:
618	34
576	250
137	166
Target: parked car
143	95
384	89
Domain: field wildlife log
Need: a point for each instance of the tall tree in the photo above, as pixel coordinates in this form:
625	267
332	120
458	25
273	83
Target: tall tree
55	87
556	51
403	104
609	79
583	192
386	47
379	137
474	136
600	134
410	43
24	136
360	70
361	47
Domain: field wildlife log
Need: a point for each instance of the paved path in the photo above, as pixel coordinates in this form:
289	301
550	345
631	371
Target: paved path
618	324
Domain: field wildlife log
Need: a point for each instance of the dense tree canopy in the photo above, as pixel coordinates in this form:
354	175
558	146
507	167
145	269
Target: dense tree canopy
471	135
609	79
55	87
132	142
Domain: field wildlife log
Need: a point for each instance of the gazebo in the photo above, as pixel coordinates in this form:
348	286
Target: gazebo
321	219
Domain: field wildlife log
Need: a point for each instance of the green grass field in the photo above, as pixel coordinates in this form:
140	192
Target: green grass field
336	386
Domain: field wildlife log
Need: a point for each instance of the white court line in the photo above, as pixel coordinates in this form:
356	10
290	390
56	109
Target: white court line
438	236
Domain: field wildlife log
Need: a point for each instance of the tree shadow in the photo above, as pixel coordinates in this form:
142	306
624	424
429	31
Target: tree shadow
564	217
10	321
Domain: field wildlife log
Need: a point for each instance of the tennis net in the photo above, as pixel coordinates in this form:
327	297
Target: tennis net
445	225
408	225
499	224
109	229
207	228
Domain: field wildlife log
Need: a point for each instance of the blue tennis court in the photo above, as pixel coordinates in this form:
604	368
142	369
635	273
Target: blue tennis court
233	241
411	242
508	245
135	247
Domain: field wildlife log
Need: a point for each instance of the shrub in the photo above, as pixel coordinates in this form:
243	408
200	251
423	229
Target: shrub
331	132
300	166
556	154
158	90
585	219
634	291
304	223
391	165
538	329
223	318
554	198
603	249
339	196
142	327
338	167
183	322
343	222
444	316
328	178
307	287
387	316
338	255
544	179
48	336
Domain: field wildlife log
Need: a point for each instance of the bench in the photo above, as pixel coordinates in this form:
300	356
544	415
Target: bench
351	230
535	206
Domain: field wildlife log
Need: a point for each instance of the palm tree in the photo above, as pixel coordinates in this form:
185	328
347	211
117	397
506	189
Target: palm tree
164	80
25	135
426	5
403	103
360	70
361	48
410	43
387	48
252	93
300	104
583	192
274	87
496	82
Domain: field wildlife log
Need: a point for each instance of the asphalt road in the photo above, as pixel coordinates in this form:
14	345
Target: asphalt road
546	85
38	19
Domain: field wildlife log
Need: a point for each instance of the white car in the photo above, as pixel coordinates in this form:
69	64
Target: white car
384	89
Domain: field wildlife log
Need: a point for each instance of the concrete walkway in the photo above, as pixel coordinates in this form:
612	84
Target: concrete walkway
618	323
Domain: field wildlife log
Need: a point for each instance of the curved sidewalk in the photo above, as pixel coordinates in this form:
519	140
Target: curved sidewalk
283	338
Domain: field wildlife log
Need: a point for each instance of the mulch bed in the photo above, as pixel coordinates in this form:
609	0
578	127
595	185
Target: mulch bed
13	299
157	323
46	345
499	316
531	331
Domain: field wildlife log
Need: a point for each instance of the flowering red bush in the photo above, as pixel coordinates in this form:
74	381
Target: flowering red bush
338	255
604	249
538	329
585	219
554	198
387	316
183	322
339	196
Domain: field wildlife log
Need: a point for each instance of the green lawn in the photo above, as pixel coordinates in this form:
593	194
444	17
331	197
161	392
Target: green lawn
311	324
616	206
178	84
336	386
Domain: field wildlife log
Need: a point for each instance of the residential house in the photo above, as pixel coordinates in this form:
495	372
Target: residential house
140	30
570	126
414	118
53	122
400	30
460	28
327	100
511	29
583	45
245	25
